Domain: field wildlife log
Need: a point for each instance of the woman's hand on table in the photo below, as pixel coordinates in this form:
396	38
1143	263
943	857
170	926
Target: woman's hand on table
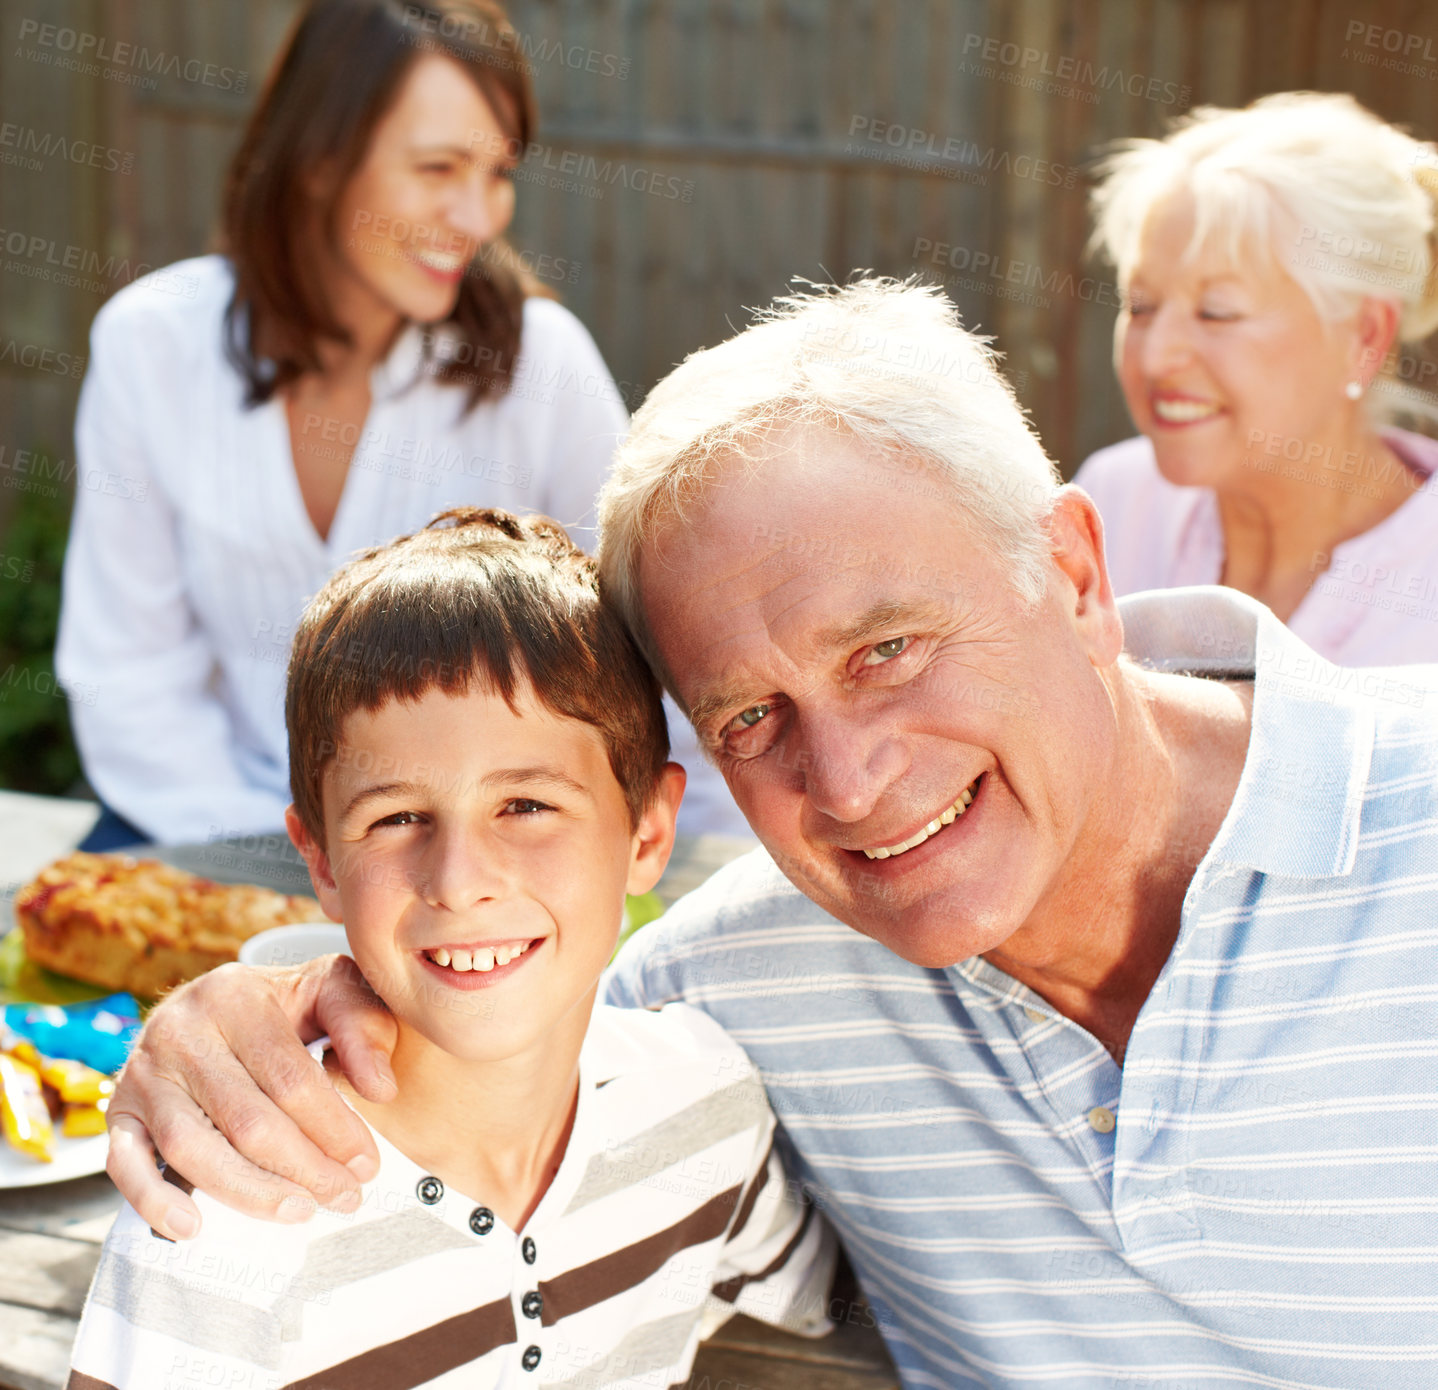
221	1086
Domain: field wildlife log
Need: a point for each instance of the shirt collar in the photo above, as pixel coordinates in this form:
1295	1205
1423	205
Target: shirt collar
402	365
1297	808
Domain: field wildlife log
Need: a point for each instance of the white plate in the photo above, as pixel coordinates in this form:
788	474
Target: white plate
74	1158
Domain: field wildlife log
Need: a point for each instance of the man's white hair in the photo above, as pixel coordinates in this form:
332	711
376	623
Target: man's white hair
886	363
1343	201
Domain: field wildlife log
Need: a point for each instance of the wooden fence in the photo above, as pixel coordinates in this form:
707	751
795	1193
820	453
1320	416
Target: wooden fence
694	156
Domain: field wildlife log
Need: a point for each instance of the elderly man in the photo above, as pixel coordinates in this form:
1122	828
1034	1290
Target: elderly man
1089	963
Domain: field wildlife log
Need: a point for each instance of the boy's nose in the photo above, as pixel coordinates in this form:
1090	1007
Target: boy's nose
458	873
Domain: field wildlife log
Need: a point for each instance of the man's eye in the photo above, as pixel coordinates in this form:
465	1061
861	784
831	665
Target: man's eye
751	716
886	651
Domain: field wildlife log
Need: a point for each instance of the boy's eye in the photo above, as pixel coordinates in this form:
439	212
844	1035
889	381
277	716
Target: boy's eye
526	806
885	651
398	818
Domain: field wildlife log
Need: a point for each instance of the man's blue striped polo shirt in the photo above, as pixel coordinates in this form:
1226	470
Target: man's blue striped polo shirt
1253	1199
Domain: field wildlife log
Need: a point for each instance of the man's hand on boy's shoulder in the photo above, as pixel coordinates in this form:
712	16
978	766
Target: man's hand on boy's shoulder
220	1084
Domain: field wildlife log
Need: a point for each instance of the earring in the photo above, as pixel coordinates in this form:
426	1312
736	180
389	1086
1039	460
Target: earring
1353	390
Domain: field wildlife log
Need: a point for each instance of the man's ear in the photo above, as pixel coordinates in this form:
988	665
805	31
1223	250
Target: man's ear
318	863
653	839
1076	547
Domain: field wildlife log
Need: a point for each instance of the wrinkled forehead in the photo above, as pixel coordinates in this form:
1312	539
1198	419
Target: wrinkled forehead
802	495
805	555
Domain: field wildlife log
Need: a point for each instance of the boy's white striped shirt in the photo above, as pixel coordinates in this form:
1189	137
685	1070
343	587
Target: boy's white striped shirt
1265	1210
669	1188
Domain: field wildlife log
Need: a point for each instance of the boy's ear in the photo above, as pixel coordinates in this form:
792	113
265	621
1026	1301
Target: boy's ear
318	863
654	835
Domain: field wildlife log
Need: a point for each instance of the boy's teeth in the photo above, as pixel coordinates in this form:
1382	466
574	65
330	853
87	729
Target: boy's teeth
482	958
946	817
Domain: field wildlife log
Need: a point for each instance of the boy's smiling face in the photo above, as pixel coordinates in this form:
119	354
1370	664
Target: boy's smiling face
454	824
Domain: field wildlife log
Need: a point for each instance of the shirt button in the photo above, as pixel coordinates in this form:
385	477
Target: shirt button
532	1305
530	1359
429	1190
1034	1016
1101	1119
528	1251
481	1221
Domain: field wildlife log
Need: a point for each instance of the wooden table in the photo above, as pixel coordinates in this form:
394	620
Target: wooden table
50	1236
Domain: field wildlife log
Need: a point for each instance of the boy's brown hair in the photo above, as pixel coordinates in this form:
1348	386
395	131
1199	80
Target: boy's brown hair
479	594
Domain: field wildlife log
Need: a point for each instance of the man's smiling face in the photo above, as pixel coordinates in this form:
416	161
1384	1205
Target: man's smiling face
867	678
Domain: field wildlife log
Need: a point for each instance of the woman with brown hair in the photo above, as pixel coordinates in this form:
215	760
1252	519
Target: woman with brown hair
367	352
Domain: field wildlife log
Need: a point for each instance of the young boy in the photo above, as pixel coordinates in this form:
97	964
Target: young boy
567	1195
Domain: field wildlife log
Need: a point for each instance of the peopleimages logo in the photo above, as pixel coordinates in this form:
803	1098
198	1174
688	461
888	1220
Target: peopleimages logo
30	148
78	50
912	147
38	358
1061	74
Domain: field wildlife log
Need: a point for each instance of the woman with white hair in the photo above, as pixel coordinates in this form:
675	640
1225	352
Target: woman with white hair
1270	260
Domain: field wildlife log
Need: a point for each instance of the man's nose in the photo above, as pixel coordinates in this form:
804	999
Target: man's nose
847	764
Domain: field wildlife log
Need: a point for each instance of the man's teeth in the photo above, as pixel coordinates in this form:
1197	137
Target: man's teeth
946	817
484	959
1183	412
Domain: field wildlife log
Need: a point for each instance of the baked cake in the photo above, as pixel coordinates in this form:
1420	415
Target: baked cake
140	925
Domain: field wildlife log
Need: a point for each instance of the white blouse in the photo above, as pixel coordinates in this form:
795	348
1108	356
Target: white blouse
192	556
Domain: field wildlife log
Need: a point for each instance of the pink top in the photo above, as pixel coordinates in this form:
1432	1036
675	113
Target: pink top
1376	604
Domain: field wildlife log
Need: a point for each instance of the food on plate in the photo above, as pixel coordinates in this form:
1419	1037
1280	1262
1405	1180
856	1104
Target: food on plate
81	1121
24	1116
140	925
40	1091
99	1033
73	1082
